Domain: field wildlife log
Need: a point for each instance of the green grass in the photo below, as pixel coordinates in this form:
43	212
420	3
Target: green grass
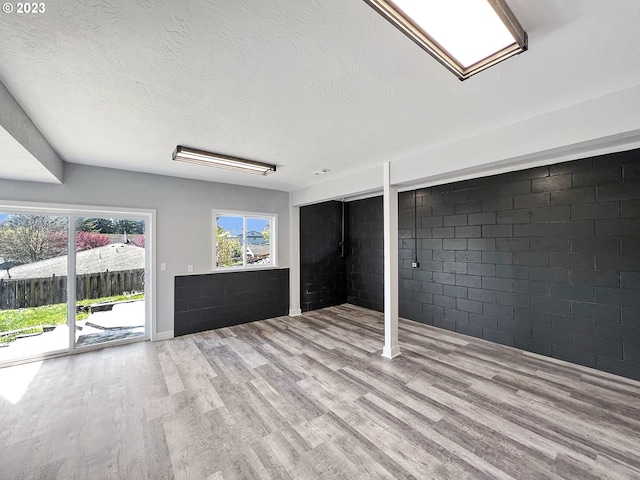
56	314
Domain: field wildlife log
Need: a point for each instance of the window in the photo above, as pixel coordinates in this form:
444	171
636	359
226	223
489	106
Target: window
243	239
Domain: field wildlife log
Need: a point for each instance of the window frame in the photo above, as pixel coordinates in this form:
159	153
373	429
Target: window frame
73	212
273	239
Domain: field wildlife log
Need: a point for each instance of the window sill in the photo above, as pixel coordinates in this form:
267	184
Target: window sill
245	269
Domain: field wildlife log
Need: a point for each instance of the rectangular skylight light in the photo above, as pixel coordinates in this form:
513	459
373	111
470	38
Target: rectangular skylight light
466	36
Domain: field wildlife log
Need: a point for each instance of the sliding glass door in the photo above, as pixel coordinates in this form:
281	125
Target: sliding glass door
33	285
110	280
71	281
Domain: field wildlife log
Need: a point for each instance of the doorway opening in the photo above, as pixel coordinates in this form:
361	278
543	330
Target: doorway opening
72	280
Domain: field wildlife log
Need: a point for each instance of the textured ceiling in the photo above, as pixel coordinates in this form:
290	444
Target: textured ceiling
302	84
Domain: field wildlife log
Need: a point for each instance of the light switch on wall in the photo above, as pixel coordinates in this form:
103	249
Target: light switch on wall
163	266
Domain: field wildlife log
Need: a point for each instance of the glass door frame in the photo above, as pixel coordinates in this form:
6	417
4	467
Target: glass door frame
73	212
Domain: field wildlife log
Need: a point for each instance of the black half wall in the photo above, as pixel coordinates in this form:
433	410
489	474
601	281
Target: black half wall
323	281
545	260
216	300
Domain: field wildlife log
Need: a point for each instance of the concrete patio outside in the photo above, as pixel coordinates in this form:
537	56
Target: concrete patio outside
125	320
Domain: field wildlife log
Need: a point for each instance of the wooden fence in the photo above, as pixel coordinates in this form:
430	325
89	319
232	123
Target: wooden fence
35	292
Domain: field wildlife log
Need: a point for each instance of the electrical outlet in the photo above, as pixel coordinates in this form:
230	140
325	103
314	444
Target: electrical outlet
415	265
189	268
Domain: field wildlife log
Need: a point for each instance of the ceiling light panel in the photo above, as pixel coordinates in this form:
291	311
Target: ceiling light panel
201	157
466	36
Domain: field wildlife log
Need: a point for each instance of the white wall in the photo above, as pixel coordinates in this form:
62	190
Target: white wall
603	125
183	215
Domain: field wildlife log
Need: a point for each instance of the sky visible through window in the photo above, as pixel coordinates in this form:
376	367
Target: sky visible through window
233	224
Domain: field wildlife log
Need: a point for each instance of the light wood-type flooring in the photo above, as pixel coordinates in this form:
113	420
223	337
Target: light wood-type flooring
309	398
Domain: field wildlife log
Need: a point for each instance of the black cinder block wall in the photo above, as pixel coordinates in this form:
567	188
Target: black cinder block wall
365	261
545	259
216	300
323	281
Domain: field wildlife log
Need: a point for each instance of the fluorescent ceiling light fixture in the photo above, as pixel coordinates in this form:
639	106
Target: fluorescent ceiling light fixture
191	155
466	36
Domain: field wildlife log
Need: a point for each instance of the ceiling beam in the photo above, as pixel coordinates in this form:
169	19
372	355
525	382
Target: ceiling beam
26	154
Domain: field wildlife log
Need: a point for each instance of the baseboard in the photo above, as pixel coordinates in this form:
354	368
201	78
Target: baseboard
391	352
163	335
294	312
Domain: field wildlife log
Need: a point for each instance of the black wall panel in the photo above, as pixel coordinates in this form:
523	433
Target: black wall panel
205	302
365	260
544	259
323	281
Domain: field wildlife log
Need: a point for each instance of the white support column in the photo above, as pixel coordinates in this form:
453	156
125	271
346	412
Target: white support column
294	259
390	209
71	281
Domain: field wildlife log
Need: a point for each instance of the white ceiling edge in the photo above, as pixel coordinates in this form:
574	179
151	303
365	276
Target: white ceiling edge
604	118
592	148
26	153
358	183
604	125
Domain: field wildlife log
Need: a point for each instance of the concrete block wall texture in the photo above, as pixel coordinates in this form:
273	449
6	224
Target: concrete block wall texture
365	259
327	278
323	280
546	260
206	302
